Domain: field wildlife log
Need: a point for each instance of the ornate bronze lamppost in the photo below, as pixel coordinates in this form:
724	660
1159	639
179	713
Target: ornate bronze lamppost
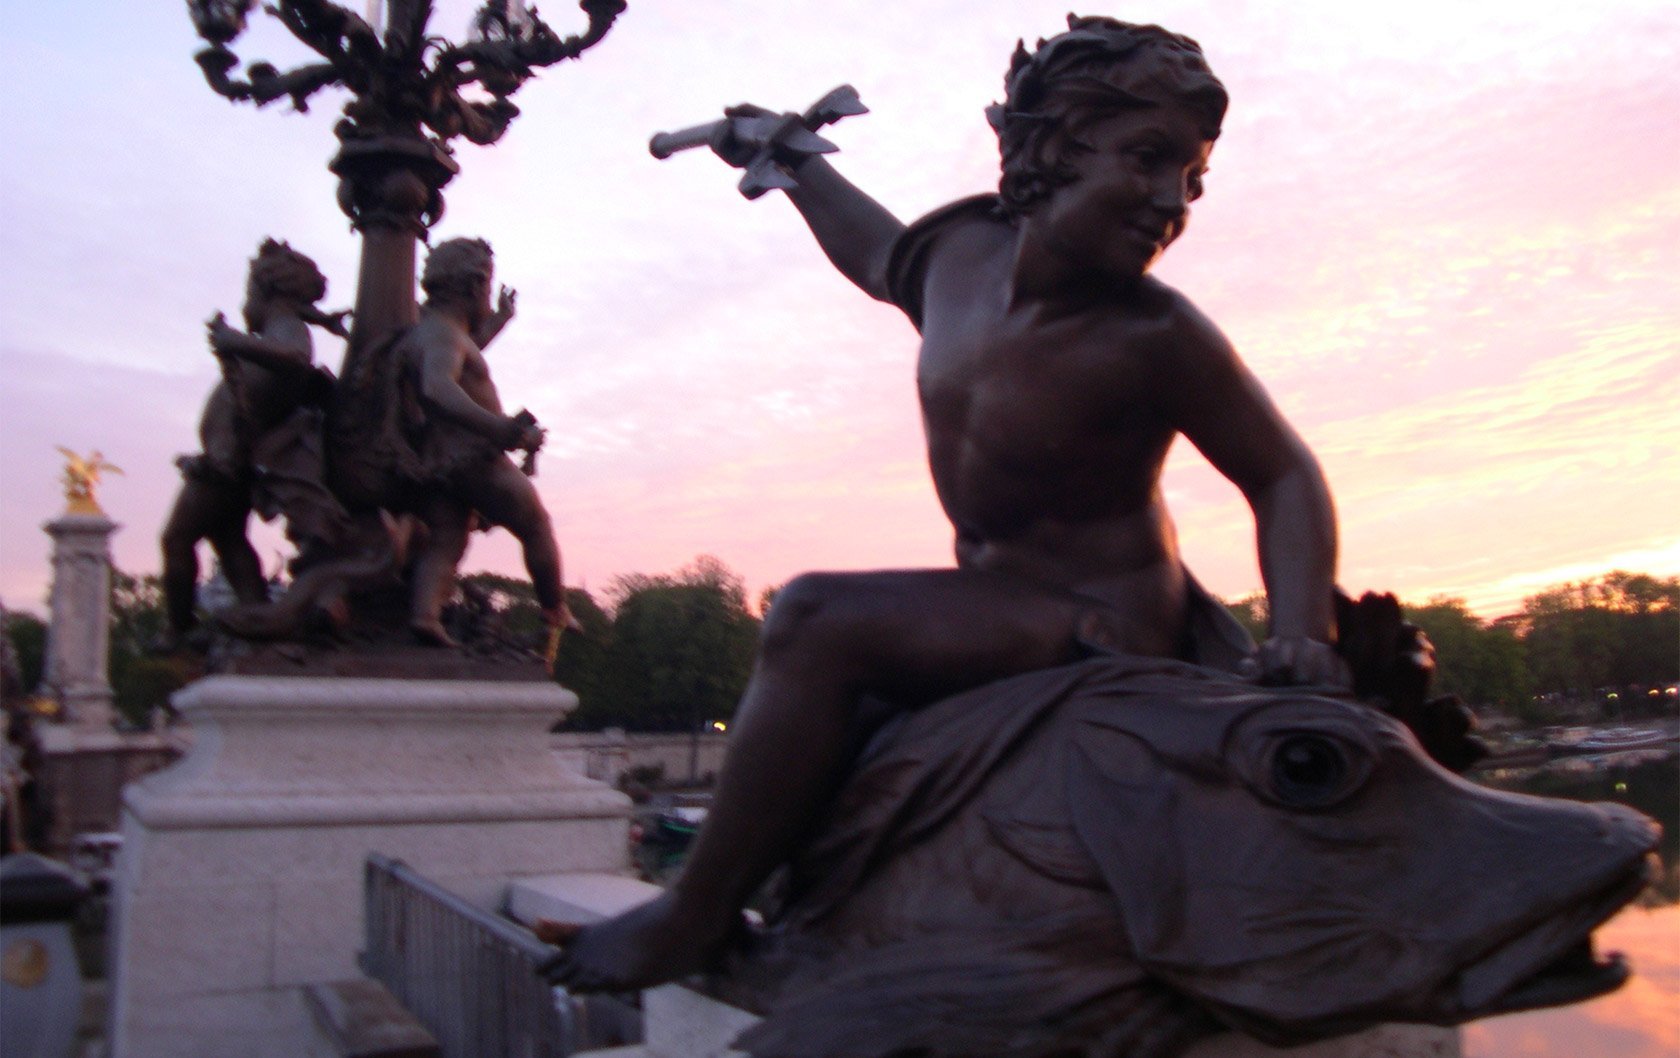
394	157
411	95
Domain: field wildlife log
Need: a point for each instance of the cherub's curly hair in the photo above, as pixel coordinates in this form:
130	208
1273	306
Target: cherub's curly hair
454	266
1098	66
280	271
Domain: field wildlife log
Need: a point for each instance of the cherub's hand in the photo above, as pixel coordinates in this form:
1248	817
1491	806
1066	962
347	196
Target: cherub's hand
1285	660
506	302
729	145
523	433
531	438
219	333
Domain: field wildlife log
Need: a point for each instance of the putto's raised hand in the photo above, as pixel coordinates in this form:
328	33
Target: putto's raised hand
767	145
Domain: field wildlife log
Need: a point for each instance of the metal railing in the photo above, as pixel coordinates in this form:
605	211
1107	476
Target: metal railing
468	975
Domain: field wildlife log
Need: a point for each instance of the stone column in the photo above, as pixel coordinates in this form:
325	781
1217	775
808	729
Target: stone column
79	636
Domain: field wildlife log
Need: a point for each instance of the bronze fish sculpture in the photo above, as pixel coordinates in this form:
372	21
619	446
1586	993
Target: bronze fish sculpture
1121	856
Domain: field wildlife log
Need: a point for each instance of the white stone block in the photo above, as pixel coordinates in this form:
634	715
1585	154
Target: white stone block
576	896
310	933
241	875
257	1024
220	937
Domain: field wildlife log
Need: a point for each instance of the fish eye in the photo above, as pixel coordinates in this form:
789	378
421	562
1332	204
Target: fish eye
1310	771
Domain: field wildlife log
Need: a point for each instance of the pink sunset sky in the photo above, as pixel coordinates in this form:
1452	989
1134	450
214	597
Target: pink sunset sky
1447	237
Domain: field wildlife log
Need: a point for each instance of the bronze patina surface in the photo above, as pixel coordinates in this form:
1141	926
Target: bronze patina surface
1055	373
1119	856
381	472
1092	818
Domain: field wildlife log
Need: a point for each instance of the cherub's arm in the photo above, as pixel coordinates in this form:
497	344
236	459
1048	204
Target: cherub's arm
283	344
1217	403
493	323
855	231
334	323
440	360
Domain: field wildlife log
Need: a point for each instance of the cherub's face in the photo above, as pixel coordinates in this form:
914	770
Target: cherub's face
478	302
1131	198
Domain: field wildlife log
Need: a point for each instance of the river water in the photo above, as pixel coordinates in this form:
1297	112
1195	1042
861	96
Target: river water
1642	1018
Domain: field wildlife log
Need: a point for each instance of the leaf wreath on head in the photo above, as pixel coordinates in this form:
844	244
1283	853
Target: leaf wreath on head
1100	65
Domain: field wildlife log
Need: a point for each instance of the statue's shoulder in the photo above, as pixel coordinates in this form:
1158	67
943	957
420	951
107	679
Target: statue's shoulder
432	340
915	248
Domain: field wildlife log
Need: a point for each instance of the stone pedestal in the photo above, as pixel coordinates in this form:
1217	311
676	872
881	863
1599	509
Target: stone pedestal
83	773
241	873
79	634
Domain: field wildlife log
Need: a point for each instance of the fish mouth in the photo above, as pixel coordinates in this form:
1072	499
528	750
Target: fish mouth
1554	962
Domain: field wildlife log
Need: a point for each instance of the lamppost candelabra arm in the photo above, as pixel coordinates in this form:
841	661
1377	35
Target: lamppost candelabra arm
394	85
347	43
520	46
338	35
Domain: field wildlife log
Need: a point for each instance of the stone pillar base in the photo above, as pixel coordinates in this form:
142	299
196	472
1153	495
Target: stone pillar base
79	636
241	872
90	709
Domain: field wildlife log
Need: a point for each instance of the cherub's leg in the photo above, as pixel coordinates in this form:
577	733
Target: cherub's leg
240	564
906	637
181	535
505	497
448	523
205	511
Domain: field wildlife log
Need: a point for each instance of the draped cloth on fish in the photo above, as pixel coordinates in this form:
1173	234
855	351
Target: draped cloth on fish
1112	858
898	944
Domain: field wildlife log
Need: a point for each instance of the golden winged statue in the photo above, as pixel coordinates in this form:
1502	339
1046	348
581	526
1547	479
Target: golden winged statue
81	476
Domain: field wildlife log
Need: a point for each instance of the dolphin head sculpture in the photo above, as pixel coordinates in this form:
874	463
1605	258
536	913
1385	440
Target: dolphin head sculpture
1125	854
1312	869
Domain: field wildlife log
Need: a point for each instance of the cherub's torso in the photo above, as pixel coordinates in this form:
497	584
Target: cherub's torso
253	399
1044	436
471	371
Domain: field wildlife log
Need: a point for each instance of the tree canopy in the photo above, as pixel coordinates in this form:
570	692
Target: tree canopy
1617	632
1572	644
1482	663
677	654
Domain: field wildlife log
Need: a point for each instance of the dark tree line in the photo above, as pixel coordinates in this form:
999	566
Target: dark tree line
673	651
1621	630
1593	649
140	681
666	652
673	655
659	652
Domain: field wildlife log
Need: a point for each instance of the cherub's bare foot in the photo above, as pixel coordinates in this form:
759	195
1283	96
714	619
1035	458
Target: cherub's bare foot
648	945
431	633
